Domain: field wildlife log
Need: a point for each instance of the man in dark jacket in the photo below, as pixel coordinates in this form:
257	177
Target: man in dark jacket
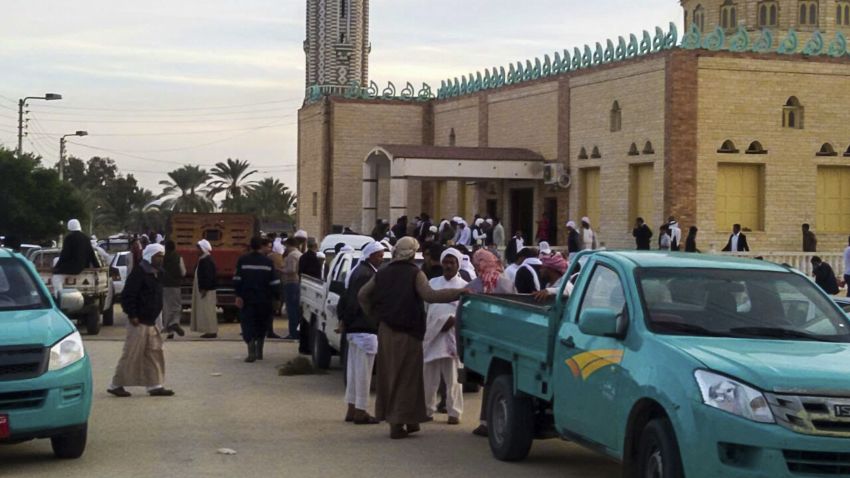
737	241
810	240
173	271
573	240
142	362
528	279
309	263
257	286
642	234
361	334
824	276
77	254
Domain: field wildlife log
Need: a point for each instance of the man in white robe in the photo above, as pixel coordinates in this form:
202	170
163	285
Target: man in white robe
439	345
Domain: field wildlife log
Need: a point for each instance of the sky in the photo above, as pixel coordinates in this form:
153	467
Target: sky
159	84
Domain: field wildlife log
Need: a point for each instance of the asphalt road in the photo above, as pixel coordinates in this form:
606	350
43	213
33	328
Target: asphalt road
279	426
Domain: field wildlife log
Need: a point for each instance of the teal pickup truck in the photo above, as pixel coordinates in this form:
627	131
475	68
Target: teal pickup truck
45	374
673	364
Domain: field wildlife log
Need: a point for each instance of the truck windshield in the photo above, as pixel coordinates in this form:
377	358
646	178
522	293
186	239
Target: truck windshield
18	289
743	304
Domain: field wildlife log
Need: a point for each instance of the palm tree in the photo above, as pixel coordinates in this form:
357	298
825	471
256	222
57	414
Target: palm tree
270	199
185	191
231	180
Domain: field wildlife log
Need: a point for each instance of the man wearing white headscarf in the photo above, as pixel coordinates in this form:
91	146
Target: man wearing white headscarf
77	254
439	345
463	237
466	265
142	362
588	236
204	317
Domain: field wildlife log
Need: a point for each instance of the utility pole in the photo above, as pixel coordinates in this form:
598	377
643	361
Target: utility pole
21	104
62	152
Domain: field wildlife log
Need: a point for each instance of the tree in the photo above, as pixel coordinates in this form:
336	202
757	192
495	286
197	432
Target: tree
34	202
185	191
270	200
232	181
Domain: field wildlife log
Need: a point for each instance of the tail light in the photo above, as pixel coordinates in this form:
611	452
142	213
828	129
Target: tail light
115	273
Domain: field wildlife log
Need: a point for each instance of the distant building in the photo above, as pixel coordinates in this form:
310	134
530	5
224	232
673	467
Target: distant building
737	119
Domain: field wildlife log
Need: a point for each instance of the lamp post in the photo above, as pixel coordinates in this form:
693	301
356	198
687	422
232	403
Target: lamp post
21	103
62	152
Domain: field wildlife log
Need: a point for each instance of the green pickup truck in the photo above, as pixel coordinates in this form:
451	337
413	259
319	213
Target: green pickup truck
45	373
673	364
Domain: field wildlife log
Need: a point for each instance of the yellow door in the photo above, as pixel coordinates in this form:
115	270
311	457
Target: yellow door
739	196
642	192
833	199
590	195
439	195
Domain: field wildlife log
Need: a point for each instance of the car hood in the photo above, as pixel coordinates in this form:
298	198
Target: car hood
29	327
781	366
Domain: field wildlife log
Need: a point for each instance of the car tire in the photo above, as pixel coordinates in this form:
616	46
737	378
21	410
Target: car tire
658	452
92	321
71	445
320	350
510	420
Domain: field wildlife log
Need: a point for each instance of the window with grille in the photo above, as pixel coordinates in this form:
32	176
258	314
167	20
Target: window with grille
842	13
768	14
699	18
808	13
728	15
792	114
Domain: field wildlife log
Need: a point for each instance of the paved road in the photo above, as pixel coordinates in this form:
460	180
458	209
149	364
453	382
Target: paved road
280	426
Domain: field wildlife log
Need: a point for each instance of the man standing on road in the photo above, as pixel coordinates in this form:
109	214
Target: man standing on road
737	241
77	254
440	346
642	234
142	362
204	314
395	299
256	286
362	337
810	240
173	271
292	287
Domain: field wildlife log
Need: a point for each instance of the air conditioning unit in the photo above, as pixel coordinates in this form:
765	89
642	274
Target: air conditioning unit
554	174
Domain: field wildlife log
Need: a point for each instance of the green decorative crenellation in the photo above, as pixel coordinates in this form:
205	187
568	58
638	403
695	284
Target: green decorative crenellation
693	39
714	41
672	37
838	46
634	46
658	40
645	43
789	44
425	93
620	53
814	46
389	92
546	71
408	91
373	90
740	41
598	55
566	62
764	44
609	52
587	57
576	59
556	64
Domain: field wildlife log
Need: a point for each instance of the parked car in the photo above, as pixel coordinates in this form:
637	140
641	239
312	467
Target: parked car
674	364
94	285
45	373
119	268
843	302
113	246
28	249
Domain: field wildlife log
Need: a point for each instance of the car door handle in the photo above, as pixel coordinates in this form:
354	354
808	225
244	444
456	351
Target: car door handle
568	342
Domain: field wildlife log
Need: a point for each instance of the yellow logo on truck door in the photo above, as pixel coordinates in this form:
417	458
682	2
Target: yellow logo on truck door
587	363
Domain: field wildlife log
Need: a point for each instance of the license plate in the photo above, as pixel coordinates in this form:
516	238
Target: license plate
842	411
4	426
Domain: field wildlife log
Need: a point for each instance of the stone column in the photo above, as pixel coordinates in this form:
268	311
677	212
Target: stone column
370	197
398	198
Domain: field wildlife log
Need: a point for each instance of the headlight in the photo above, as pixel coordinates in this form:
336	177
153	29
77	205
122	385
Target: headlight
734	397
66	352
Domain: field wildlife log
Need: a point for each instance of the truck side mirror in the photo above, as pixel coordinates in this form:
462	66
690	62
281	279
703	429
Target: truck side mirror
600	322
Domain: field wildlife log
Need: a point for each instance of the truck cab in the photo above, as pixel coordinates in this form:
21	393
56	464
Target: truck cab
45	373
674	364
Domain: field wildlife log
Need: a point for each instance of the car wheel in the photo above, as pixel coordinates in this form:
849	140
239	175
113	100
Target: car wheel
92	321
510	421
71	445
321	351
658	452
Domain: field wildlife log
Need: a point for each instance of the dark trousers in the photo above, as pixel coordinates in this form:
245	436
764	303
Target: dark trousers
255	319
293	307
847	281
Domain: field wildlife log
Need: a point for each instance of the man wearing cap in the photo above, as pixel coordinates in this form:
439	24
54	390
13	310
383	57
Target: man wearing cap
77	254
142	361
439	345
256	285
204	318
545	249
361	333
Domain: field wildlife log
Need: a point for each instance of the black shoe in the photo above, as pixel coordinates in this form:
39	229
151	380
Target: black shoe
272	335
179	330
161	392
170	336
290	337
252	352
119	392
209	336
259	347
413	428
481	431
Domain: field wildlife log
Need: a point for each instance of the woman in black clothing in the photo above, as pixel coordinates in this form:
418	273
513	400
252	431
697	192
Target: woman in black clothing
691	241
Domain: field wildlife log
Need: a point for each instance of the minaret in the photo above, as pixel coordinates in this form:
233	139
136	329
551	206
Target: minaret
337	45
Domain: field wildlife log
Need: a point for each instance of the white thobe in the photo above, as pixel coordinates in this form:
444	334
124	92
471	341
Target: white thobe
440	352
465	237
511	271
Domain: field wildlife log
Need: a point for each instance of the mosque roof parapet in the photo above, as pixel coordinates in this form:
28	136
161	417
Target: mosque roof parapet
766	42
354	90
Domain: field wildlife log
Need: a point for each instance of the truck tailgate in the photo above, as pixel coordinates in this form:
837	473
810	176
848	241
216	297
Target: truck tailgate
509	329
312	293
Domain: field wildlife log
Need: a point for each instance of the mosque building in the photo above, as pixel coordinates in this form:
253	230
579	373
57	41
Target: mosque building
741	117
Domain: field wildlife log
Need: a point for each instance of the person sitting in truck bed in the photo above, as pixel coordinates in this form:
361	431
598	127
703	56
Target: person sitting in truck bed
528	275
77	254
309	263
491	276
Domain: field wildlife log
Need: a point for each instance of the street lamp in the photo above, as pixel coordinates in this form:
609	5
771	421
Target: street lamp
62	152
21	103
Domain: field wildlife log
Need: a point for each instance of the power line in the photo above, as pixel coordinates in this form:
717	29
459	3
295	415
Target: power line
204	108
165	121
50	111
171	133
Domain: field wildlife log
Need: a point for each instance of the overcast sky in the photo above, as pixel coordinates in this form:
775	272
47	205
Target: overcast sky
158	84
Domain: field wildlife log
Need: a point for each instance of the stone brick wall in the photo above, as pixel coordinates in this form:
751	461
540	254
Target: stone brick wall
311	169
741	99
